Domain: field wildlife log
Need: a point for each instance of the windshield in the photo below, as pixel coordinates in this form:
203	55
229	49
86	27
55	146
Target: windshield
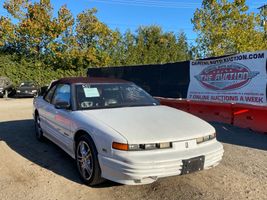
96	96
26	84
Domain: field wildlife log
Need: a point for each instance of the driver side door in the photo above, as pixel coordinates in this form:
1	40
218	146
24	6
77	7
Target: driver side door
60	119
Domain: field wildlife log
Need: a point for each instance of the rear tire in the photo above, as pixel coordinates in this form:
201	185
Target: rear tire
38	130
87	161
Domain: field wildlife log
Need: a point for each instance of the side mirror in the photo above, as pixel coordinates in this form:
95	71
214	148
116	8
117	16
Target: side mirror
42	90
62	105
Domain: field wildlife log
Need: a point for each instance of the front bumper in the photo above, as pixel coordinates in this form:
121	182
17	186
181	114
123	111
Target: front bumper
145	167
24	94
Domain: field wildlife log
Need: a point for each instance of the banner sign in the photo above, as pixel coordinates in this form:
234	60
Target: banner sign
239	78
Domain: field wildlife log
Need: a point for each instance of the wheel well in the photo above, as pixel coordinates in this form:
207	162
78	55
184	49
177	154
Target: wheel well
79	133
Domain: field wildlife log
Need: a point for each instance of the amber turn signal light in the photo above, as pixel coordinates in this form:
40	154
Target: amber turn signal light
120	146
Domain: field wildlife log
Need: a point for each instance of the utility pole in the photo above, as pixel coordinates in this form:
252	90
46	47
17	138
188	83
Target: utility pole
263	12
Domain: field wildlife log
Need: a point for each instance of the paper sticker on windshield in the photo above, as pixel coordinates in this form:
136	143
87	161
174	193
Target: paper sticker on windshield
91	92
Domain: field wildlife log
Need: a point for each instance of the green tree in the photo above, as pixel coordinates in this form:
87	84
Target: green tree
95	40
7	32
226	27
183	51
59	42
130	50
153	46
118	52
36	27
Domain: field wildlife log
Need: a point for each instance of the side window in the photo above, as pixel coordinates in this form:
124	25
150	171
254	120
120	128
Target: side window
62	93
49	95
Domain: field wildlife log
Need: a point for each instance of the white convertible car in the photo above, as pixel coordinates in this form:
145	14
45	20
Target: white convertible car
115	130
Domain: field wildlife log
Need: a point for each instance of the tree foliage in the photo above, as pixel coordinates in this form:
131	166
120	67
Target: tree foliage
223	27
150	45
36	39
36	27
95	39
20	68
67	43
226	27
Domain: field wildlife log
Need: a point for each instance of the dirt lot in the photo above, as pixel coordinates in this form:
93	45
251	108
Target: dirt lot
33	170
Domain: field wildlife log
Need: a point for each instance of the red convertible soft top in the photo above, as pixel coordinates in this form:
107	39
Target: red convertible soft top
73	80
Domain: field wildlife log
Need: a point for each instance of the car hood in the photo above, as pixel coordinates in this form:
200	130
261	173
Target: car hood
151	124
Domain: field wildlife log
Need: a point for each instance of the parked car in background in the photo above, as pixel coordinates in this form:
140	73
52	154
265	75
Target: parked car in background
27	89
6	87
117	131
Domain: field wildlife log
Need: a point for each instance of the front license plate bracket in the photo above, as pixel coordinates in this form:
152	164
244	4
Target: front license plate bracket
193	164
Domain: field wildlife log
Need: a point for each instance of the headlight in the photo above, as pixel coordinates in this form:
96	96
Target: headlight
34	90
18	91
206	138
140	147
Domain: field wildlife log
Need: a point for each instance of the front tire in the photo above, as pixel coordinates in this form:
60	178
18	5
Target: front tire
38	130
87	161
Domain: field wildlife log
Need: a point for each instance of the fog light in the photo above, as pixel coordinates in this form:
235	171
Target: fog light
133	147
200	140
206	138
148	146
164	145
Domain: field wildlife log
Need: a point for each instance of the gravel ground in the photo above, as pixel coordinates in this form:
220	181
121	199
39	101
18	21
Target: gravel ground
33	170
